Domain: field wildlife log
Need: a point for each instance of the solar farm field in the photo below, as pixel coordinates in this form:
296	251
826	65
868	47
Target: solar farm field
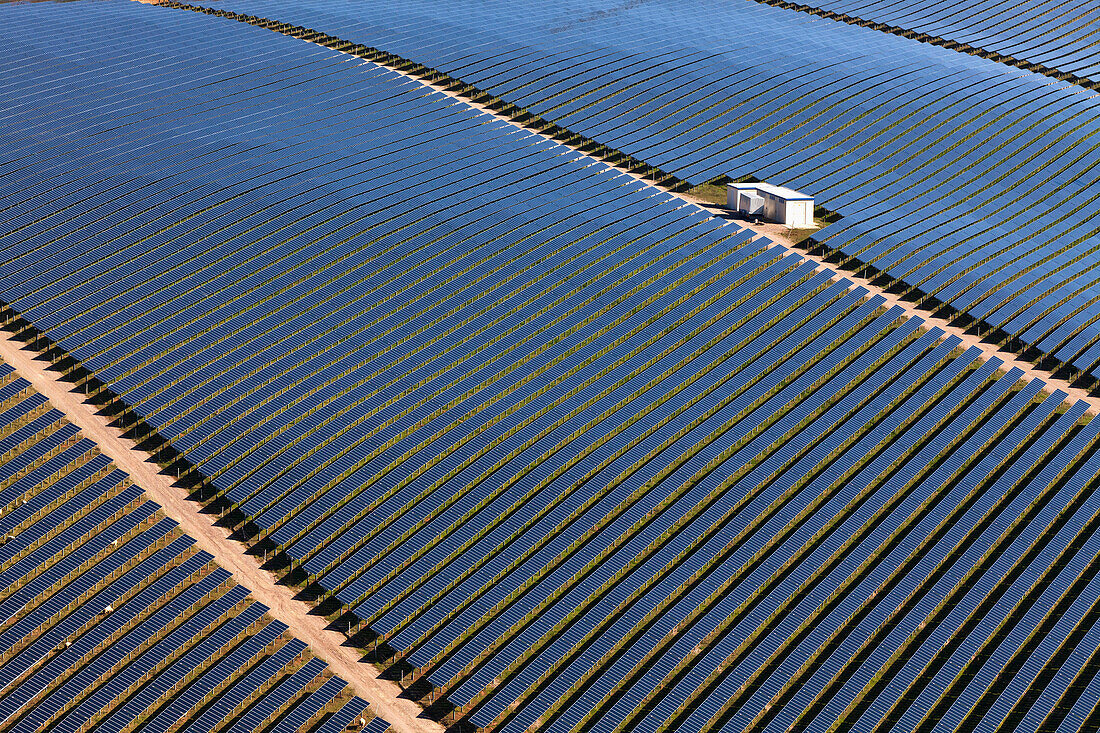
111	619
1057	35
969	181
580	455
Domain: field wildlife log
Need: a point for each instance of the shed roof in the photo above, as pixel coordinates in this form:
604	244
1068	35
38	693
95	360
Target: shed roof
788	194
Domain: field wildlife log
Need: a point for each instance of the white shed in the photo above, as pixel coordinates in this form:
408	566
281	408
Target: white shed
790	208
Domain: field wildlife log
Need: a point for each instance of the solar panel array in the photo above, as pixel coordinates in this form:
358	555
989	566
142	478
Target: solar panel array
1058	35
112	620
966	179
586	457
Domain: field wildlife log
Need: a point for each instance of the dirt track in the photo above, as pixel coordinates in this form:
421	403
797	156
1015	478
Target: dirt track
402	714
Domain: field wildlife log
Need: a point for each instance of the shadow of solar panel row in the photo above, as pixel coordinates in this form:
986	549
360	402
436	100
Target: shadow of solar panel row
1058	35
111	620
587	458
966	179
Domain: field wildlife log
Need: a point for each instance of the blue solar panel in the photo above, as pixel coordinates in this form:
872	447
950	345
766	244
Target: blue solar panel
930	179
583	455
108	614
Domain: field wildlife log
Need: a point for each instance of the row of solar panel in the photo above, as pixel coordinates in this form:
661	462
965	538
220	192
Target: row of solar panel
588	458
981	200
109	616
617	218
1059	35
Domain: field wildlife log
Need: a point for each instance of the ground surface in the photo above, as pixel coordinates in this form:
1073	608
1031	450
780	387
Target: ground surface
402	713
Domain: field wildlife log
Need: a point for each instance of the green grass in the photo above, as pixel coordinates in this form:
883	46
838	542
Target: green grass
712	193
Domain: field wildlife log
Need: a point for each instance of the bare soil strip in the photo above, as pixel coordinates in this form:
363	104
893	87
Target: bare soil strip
383	695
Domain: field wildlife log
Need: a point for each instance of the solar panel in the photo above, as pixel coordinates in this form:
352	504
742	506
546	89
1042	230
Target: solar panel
582	455
884	130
